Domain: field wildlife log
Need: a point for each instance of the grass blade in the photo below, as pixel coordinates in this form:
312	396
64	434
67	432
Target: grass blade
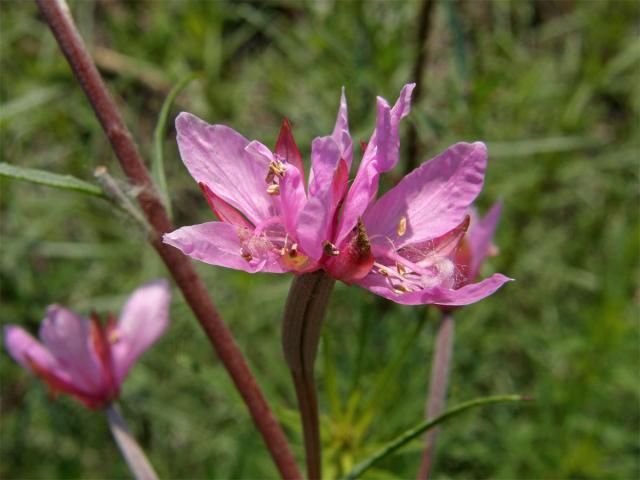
157	166
412	433
55	180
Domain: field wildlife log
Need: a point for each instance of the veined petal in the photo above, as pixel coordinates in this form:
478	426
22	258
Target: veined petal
432	199
480	237
292	198
381	155
341	134
325	156
68	337
215	155
143	320
219	244
435	295
314	221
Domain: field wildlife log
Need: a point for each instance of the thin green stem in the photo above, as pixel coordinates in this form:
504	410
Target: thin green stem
157	166
415	432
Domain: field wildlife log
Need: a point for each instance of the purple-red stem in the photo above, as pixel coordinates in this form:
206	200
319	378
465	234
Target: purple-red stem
301	330
58	17
438	384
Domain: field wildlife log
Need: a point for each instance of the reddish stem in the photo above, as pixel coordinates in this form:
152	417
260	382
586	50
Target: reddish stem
57	16
438	384
301	329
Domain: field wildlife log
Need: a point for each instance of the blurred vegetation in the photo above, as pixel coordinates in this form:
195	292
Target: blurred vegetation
552	87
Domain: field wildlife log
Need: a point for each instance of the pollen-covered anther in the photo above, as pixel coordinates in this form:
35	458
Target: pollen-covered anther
330	249
402	226
273	189
276	169
401	269
293	251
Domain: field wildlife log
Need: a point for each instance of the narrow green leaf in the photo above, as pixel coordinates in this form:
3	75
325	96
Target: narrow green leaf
157	167
412	433
55	180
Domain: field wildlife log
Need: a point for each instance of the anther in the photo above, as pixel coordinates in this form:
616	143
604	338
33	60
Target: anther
246	255
273	189
400	289
276	169
402	226
330	249
401	269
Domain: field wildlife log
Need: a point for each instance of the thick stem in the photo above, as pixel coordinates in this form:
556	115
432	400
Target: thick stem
425	19
438	384
133	454
57	16
301	328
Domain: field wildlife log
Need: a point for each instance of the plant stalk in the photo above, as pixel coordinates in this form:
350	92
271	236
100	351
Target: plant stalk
301	328
133	454
57	16
438	385
425	21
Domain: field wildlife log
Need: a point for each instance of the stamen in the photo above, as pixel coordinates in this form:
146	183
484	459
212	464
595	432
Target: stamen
330	249
276	169
402	226
294	250
273	189
401	288
401	269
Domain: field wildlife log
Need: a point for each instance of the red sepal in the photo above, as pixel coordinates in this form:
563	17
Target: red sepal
225	212
287	149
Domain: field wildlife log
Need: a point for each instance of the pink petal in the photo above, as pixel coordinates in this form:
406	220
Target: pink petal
68	338
24	349
381	155
440	296
215	155
341	132
480	237
218	243
292	198
316	216
143	320
433	199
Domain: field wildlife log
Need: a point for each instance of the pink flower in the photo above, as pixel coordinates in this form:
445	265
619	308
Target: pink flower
400	246
86	359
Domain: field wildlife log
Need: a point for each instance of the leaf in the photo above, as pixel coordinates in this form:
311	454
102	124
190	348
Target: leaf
31	100
157	166
55	180
412	433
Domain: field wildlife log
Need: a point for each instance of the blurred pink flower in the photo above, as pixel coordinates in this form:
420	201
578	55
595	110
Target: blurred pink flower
86	359
400	246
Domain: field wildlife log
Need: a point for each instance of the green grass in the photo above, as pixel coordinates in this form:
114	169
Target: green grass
552	87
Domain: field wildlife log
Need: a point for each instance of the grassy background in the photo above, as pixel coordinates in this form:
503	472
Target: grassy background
552	87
